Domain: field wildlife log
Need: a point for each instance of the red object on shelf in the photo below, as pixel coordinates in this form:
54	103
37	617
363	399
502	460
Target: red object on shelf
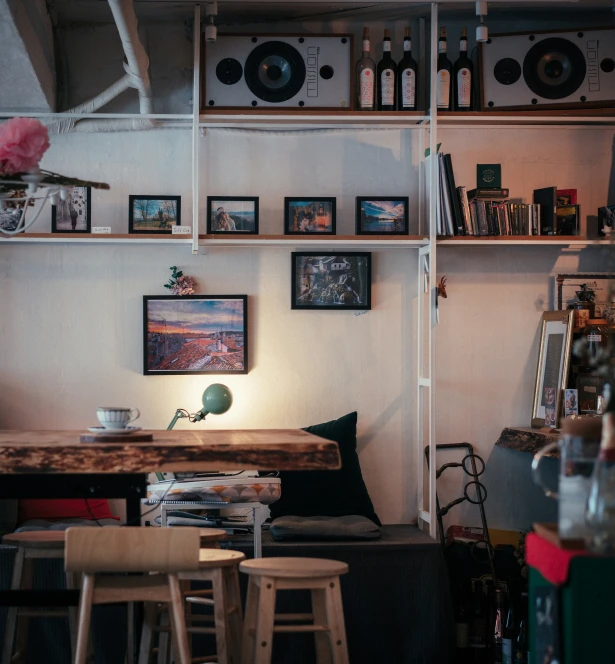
551	561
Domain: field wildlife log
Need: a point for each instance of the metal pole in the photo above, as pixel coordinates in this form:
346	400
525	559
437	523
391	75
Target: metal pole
196	104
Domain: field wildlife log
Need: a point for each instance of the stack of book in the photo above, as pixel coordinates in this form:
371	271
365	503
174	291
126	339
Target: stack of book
483	211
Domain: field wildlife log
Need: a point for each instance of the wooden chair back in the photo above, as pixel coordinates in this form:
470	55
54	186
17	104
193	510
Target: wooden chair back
143	549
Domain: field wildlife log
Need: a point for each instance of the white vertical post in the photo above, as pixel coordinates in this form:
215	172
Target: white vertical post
433	202
196	104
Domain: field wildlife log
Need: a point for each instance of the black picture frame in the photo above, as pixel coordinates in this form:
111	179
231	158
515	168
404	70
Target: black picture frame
329	298
165	352
289	222
133	224
397	228
211	205
60	211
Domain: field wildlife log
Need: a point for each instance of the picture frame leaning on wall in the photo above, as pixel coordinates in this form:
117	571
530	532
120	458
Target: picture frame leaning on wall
553	362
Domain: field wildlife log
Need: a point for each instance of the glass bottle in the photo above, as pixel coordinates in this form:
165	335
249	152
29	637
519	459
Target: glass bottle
445	69
600	514
497	631
387	76
462	76
407	77
478	625
510	628
366	77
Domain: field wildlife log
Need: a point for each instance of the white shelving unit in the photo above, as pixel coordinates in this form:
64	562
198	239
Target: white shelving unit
425	243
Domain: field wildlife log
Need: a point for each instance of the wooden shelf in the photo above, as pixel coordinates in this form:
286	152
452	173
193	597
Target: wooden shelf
502	240
93	238
342	241
556	117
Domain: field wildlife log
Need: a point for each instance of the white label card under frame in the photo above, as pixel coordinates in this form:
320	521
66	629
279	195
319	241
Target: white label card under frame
101	230
181	230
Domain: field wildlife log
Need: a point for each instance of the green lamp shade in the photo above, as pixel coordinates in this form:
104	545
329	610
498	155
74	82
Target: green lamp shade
217	399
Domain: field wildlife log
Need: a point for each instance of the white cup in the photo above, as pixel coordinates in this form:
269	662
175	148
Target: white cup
116	418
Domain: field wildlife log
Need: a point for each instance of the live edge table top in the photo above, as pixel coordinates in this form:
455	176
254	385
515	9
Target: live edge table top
24	452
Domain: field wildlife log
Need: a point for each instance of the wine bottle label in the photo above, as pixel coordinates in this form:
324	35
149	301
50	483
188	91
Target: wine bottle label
442	46
594	337
386	46
462	631
408	88
407	45
444	88
507	651
366	99
463	46
366	46
464	87
387	87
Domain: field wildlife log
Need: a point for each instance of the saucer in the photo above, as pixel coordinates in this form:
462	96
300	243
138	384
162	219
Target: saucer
125	430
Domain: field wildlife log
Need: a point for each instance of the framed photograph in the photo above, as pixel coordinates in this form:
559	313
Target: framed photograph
571	402
154	214
568	220
553	365
230	215
569	284
309	216
382	216
606	219
322	280
195	334
74	214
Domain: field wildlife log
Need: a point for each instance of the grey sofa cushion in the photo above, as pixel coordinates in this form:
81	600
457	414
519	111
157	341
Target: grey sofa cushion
352	527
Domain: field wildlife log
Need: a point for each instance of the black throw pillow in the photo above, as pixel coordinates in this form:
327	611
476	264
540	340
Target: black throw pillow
328	492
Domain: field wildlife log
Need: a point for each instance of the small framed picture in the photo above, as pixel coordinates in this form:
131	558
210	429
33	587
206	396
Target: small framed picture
568	219
309	216
553	366
195	334
74	214
328	280
230	215
571	402
382	216
154	214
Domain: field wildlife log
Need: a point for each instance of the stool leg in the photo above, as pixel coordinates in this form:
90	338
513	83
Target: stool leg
335	620
178	622
265	620
85	617
220	617
319	609
11	620
249	624
147	633
23	622
231	578
71	584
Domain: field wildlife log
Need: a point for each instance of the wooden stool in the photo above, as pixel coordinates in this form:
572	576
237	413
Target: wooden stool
267	576
220	568
30	547
115	552
210	539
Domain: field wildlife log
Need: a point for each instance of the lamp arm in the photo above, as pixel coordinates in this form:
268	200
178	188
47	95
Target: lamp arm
179	414
201	415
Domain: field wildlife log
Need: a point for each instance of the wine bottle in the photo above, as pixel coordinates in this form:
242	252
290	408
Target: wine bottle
463	74
366	77
521	642
443	91
387	76
478	625
407	78
498	627
510	629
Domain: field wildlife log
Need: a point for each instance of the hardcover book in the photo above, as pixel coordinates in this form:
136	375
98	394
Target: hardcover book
488	176
547	199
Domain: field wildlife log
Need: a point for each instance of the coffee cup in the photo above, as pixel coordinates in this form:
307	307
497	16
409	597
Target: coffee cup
112	417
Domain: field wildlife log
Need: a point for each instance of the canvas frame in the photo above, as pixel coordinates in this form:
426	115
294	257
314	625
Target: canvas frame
147	371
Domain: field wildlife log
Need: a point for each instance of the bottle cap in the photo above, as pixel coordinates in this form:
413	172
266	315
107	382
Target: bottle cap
407	32
387	34
464	32
589	428
442	33
365	33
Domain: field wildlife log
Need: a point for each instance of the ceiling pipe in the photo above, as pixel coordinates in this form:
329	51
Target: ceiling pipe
136	66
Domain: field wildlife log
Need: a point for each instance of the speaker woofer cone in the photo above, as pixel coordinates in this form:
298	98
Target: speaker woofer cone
554	68
275	71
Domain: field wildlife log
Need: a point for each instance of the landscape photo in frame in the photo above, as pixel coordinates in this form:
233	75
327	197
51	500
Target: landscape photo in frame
195	334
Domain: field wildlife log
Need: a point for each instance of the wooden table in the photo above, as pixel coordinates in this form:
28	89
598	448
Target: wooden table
54	464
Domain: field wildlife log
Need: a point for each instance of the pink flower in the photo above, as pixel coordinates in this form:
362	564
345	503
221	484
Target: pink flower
184	286
23	141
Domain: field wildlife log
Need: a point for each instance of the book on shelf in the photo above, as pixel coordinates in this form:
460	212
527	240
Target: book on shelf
489	193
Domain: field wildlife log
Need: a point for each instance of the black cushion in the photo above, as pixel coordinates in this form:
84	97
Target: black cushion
324	528
328	492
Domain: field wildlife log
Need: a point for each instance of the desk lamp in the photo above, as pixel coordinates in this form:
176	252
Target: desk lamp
217	399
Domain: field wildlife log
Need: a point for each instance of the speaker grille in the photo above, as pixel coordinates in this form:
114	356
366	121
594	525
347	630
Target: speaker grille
275	71
554	68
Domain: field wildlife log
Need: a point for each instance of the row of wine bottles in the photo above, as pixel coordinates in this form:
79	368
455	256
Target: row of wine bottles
491	628
391	86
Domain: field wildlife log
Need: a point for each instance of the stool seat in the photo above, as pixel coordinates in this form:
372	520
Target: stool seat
218	558
39	539
211	535
294	568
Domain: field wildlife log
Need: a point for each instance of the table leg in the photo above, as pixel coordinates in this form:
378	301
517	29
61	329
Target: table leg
258	531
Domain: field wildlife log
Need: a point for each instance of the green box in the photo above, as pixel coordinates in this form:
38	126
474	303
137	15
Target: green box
488	176
586	609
